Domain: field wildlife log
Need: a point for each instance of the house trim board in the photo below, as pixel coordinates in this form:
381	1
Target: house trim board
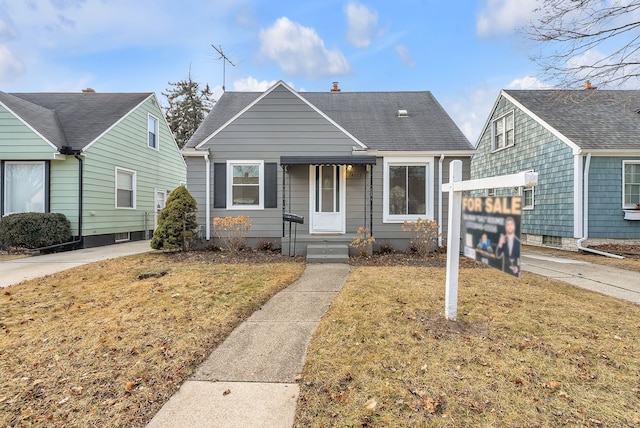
578	207
266	93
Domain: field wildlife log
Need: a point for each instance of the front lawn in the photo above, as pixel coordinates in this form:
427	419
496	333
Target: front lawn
524	353
98	346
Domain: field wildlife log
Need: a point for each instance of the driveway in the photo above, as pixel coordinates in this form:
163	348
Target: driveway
604	279
18	270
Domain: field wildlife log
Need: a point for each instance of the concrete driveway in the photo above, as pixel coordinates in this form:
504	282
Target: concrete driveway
604	279
18	270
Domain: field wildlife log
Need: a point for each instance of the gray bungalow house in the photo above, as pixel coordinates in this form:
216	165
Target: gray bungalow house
105	160
335	160
585	146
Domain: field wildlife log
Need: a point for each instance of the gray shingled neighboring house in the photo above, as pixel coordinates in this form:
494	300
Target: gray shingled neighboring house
105	160
340	160
585	146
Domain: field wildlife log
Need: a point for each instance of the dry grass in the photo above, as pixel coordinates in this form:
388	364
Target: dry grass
527	353
96	346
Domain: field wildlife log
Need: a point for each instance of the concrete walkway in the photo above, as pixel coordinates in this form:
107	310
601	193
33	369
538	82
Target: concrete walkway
608	280
18	270
250	379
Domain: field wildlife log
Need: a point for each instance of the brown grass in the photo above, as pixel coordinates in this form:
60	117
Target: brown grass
527	353
96	346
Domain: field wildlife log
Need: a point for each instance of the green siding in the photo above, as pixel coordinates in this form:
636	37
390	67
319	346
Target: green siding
606	218
19	142
538	149
125	146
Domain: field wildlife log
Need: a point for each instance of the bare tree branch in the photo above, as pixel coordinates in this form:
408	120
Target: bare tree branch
579	40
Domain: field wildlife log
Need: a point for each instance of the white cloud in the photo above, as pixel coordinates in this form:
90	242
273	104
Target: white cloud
503	16
250	84
405	56
11	67
470	109
363	24
527	82
299	51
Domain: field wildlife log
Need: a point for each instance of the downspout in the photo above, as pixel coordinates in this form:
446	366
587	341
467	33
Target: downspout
207	198
440	199
80	206
585	213
76	154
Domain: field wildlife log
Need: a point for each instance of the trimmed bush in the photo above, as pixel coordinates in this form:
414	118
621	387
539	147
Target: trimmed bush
177	222
34	230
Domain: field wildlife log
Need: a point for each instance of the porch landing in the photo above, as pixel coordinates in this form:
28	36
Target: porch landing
319	248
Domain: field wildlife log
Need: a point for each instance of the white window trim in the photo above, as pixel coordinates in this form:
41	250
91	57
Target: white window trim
408	161
134	181
230	164
503	118
533	198
624	164
157	147
44	182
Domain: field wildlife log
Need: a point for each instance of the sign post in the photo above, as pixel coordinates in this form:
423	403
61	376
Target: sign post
455	187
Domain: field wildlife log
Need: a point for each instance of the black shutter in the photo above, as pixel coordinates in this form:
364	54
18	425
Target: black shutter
219	185
271	185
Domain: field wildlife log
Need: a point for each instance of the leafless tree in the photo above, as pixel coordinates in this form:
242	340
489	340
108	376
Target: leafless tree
587	40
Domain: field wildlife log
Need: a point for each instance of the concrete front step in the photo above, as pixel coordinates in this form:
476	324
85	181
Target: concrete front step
327	253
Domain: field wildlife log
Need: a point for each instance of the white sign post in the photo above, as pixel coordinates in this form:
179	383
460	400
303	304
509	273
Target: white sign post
455	187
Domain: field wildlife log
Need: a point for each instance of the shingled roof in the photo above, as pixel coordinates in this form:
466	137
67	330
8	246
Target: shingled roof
72	119
591	119
371	117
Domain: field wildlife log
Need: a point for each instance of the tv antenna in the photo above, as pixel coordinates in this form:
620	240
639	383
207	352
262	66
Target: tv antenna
225	60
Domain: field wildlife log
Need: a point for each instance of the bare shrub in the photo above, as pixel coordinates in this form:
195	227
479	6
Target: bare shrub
232	231
424	235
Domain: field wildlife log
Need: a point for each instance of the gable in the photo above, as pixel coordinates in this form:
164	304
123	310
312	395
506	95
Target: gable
18	141
278	122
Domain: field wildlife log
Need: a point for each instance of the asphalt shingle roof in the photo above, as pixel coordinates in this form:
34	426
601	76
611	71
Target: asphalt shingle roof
72	119
592	119
371	117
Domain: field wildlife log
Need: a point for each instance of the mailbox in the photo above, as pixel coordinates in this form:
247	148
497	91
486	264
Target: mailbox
293	218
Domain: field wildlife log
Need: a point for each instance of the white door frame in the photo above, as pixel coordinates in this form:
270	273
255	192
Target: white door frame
328	222
158	205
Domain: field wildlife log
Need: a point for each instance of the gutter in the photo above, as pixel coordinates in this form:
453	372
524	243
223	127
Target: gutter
207	210
585	214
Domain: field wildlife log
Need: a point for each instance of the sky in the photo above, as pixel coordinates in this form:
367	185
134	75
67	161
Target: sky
463	51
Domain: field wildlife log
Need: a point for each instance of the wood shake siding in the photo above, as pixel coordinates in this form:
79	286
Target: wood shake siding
536	149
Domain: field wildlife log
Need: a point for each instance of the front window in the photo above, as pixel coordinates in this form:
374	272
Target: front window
631	184
125	188
502	131
24	187
245	180
152	132
408	186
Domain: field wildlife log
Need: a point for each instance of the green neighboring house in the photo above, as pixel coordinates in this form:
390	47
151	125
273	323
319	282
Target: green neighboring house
585	147
107	161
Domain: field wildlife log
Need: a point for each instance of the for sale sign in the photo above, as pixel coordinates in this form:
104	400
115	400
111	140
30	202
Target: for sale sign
491	231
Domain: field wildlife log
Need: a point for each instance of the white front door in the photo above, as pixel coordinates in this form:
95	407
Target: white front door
327	198
160	200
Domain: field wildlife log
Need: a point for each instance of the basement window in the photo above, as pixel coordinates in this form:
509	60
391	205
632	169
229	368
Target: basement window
123	236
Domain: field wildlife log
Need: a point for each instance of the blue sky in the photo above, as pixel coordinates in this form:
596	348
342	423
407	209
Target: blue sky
463	51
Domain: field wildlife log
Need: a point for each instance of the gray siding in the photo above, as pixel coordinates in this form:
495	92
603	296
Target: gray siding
605	200
535	148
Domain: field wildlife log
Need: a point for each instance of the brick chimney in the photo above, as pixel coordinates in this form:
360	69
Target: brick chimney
335	87
587	86
88	90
